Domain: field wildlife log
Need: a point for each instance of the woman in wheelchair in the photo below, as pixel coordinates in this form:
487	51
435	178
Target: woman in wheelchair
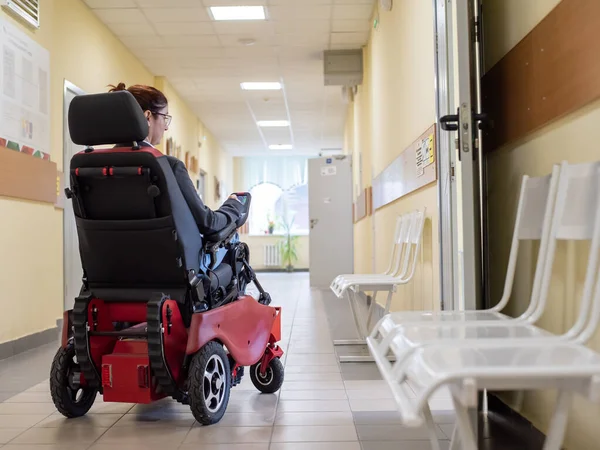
156	109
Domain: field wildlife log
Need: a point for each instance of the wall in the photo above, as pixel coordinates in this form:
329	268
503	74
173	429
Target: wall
393	107
505	24
83	51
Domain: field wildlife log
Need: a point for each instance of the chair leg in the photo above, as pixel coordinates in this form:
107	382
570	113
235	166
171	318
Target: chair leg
455	441
358	325
464	425
558	424
370	313
431	427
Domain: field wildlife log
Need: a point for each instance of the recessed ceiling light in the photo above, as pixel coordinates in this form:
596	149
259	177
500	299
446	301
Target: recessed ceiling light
238	12
273	123
280	147
261	86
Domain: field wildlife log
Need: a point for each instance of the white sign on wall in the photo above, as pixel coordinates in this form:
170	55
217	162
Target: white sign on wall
24	93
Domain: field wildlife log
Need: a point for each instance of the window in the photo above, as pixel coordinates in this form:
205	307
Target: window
262	219
279	194
274	209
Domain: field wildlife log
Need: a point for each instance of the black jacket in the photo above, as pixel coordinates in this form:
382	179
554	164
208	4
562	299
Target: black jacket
208	221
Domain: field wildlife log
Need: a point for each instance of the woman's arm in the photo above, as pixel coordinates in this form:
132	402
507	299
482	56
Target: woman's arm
208	221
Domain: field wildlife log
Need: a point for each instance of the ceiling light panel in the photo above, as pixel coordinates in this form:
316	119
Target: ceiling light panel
261	86
280	147
273	123
226	13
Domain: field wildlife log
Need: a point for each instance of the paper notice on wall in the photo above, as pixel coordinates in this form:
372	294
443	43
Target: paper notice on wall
424	155
24	93
327	171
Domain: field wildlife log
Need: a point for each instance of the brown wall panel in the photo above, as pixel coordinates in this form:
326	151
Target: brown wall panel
553	71
26	177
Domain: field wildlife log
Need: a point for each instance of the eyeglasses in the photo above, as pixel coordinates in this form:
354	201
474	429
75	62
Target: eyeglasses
167	117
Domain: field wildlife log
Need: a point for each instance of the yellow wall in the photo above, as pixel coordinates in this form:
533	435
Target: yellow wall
393	107
505	25
83	51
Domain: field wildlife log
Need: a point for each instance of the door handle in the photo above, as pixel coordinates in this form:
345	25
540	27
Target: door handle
313	222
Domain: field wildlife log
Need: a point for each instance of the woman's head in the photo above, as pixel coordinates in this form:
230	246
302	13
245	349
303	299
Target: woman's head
155	107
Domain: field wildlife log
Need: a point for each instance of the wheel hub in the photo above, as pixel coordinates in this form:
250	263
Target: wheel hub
214	383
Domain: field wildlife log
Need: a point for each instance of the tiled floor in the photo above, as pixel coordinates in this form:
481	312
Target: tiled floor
321	406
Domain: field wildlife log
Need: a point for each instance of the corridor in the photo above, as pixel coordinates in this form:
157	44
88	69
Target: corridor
321	406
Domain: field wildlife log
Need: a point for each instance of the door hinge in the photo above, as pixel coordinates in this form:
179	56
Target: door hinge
476	30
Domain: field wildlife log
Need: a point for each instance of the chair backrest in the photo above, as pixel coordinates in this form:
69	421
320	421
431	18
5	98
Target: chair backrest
576	218
136	232
537	198
402	244
414	240
391	268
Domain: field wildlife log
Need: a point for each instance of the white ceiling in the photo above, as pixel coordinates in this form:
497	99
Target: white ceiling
206	62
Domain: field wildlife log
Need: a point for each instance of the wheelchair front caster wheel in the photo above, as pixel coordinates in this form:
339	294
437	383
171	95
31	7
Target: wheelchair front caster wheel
209	383
70	397
271	381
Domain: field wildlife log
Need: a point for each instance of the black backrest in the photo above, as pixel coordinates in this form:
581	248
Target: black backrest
136	233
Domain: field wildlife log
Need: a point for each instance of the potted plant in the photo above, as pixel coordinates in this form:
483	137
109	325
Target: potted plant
271	226
289	251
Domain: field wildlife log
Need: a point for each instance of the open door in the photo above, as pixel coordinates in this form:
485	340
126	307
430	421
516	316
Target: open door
461	162
73	272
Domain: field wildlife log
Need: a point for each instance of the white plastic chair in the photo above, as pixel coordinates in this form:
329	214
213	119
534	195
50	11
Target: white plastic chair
534	213
393	265
543	362
409	237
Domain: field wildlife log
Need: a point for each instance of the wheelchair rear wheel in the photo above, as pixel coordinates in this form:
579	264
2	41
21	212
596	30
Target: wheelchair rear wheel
71	398
209	383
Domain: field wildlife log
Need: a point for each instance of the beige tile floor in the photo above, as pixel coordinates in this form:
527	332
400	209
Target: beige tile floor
320	406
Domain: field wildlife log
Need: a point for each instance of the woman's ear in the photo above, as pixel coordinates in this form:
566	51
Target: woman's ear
147	114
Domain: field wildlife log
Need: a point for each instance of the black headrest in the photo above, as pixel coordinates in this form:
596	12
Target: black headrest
107	118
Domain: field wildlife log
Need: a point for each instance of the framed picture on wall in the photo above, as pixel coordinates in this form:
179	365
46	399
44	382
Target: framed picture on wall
201	184
169	146
217	190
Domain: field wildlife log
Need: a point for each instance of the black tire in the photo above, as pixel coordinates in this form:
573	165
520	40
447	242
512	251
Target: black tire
208	398
272	381
71	401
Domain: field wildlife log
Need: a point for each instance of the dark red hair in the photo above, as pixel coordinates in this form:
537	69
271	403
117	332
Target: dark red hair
149	98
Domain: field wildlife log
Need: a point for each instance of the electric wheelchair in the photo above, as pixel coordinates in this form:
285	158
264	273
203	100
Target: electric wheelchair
151	320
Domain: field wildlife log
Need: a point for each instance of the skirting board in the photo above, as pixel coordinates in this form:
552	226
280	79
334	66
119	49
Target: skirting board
26	343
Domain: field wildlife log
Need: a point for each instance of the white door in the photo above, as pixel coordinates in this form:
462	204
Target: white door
331	226
73	271
461	162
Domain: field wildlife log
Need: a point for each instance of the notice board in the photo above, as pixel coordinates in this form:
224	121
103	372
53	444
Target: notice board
24	93
412	170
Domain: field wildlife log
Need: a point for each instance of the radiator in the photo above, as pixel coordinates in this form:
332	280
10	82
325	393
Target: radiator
272	255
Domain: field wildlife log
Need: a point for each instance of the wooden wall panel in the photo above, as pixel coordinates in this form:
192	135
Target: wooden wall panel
553	71
26	177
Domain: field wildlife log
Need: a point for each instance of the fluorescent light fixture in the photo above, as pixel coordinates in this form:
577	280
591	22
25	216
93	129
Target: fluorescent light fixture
280	147
261	86
273	123
238	12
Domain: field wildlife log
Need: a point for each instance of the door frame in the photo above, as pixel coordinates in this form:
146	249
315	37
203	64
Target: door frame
67	87
461	181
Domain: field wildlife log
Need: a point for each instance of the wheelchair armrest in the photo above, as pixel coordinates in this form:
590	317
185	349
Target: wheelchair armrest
220	236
